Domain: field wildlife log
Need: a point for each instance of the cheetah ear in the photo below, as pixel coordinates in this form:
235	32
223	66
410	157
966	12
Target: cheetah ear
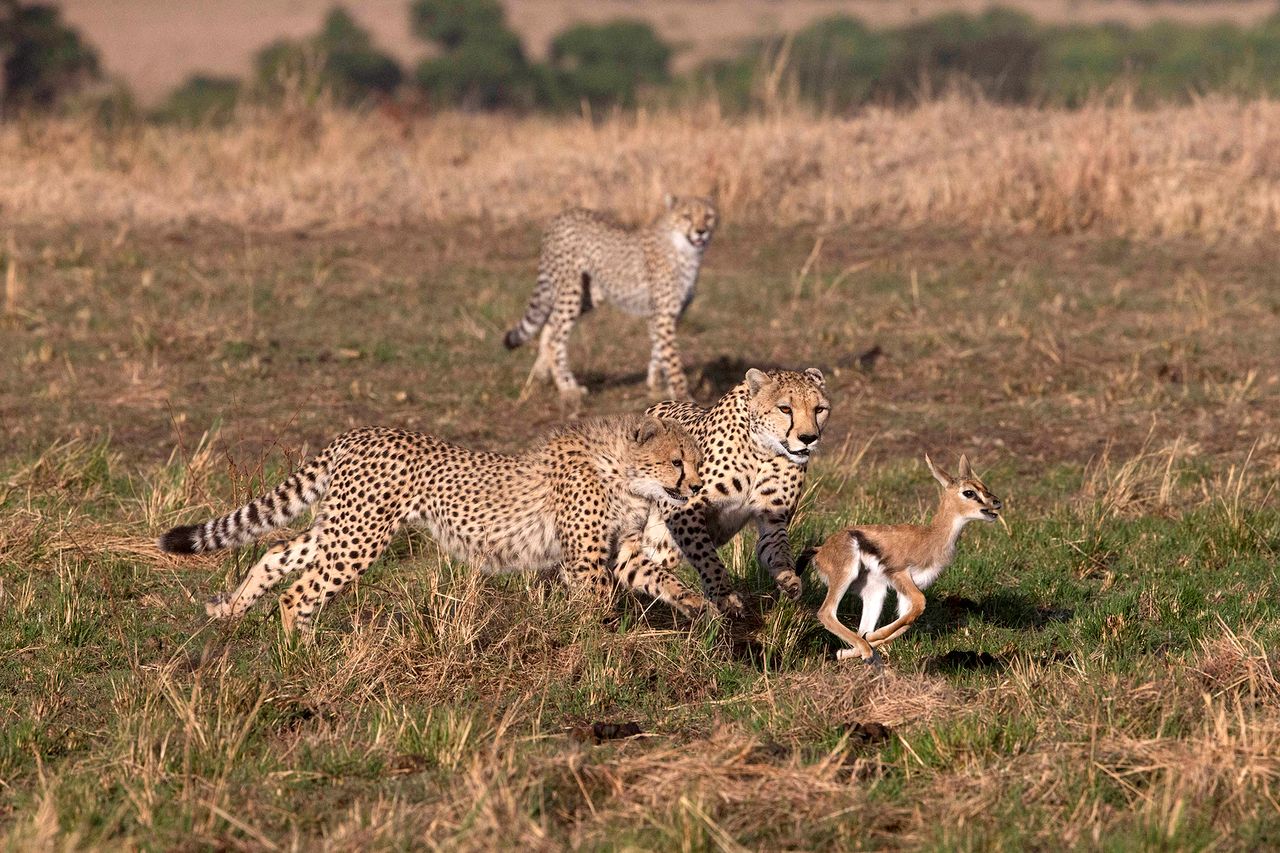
938	474
818	379
646	430
669	200
757	379
964	471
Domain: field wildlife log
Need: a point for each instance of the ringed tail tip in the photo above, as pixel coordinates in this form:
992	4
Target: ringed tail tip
512	340
179	540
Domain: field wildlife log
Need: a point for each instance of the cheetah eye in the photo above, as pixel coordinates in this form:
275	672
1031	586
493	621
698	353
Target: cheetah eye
970	494
678	464
819	410
786	410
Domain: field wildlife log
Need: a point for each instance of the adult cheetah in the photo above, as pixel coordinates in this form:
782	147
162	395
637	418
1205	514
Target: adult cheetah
756	442
564	504
649	272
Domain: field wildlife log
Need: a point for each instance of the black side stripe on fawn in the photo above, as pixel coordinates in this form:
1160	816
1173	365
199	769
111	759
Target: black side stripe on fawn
865	545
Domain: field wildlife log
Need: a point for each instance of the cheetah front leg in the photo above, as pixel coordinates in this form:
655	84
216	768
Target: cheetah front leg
587	574
688	529
636	569
664	360
773	551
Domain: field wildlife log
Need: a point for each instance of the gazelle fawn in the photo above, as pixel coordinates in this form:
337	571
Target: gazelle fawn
871	558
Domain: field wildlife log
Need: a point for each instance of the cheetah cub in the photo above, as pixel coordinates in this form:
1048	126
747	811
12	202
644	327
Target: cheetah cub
908	557
648	272
564	504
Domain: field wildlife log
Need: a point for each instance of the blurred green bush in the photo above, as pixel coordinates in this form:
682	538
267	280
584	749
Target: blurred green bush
340	60
607	64
44	60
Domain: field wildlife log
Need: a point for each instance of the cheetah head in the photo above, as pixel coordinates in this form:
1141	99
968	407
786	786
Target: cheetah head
663	463
692	220
787	411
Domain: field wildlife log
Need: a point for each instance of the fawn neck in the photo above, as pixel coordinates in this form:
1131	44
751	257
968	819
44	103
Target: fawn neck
945	528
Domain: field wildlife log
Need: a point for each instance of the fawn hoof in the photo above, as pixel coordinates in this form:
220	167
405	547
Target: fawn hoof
876	662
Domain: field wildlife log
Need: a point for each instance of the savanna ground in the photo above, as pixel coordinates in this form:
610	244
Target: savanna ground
1099	675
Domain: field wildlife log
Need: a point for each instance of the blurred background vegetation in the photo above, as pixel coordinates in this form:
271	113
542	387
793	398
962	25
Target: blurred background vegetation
475	61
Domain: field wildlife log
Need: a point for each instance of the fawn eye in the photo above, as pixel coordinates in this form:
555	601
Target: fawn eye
786	410
970	494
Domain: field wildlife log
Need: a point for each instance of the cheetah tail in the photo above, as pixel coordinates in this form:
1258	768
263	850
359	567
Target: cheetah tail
535	315
275	509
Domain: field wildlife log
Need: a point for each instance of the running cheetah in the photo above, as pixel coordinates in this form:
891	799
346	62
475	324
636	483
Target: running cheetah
566	503
756	442
648	272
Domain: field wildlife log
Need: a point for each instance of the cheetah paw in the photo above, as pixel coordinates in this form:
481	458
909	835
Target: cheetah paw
571	401
790	584
691	605
730	605
219	607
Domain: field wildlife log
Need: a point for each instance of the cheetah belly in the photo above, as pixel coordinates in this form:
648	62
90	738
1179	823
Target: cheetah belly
518	541
635	300
727	519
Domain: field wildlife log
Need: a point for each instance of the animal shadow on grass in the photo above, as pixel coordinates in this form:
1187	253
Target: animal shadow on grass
708	381
1005	609
715	377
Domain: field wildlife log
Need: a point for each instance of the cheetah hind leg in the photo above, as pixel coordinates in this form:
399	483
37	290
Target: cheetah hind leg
541	370
656	380
281	559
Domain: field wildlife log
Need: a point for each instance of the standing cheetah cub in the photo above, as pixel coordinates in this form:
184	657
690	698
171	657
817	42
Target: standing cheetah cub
564	504
908	557
648	272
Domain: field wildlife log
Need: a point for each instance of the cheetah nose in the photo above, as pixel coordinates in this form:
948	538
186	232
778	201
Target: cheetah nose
809	437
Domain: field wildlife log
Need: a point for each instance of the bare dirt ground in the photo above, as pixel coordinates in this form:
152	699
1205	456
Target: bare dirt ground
1036	349
153	45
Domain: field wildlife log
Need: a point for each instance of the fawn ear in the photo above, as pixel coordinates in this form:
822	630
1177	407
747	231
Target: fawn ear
757	379
818	379
964	471
938	474
669	200
645	431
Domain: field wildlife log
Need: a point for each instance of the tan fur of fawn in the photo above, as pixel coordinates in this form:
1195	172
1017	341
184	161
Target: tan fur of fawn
870	559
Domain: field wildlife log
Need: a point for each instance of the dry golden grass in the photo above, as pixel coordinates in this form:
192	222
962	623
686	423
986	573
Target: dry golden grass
1210	169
